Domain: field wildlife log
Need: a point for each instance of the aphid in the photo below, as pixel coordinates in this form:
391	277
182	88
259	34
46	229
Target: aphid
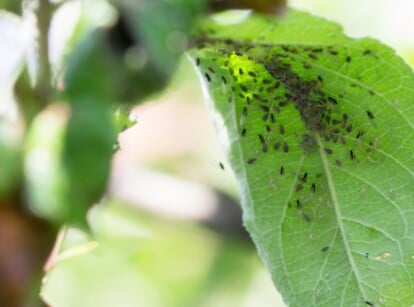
265	117
312	56
325	248
272	118
248	100
283	103
304	177
243	88
344	118
244	112
210	69
332	100
223	79
277	145
282	171
266	81
268	128
221	165
333	52
207	77
306	217
251	74
352	155
285	147
241	71
370	115
282	129
298	204
307	66
320	79
369	303
338	163
243	132
328	151
198	61
313	188
298	187
360	134
251	160
367	52
264	108
257	97
371	92
349	128
348	59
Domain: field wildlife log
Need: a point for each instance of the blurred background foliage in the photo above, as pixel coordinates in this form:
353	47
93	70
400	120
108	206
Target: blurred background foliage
168	230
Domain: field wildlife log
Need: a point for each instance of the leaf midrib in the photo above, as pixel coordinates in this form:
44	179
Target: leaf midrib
338	215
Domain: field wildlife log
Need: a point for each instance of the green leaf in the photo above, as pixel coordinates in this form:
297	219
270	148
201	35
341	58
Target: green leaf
319	130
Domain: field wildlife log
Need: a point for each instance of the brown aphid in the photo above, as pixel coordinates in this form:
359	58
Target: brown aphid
328	151
268	128
265	117
298	187
272	118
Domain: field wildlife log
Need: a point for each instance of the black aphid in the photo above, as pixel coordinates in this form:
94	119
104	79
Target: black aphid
266	81
251	160
283	103
272	118
306	217
328	151
207	77
320	79
265	117
268	128
282	171
348	59
298	187
313	187
360	134
210	69
198	61
298	204
370	115
243	88
244	112
367	52
285	147
221	165
282	129
248	100
333	52
277	145
371	92
332	100
304	177
369	303
336	122
243	132
241	71
349	128
251	74
312	56
325	248
264	108
352	155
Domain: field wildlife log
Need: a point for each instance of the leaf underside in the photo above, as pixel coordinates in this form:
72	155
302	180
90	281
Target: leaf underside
320	129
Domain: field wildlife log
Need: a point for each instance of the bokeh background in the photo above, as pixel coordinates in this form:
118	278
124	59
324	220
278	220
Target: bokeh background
169	230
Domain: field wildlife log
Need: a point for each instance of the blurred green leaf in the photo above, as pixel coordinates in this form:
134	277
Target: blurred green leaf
320	135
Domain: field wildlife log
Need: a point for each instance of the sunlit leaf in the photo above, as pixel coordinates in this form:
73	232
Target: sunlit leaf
320	133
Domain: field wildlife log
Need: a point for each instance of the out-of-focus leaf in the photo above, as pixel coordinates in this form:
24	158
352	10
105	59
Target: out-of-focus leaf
10	157
319	129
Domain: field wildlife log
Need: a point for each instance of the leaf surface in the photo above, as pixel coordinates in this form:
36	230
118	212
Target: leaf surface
319	130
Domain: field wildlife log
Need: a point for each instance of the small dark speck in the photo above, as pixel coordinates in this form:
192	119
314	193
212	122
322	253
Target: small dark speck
348	59
282	129
251	74
306	217
282	170
251	160
285	147
328	151
207	77
221	165
332	100
338	163
304	177
298	204
277	146
369	303
352	155
349	128
324	249
370	115
313	188
211	69
298	187
243	132
320	79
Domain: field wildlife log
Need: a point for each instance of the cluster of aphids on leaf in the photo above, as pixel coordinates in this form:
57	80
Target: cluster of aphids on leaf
271	83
